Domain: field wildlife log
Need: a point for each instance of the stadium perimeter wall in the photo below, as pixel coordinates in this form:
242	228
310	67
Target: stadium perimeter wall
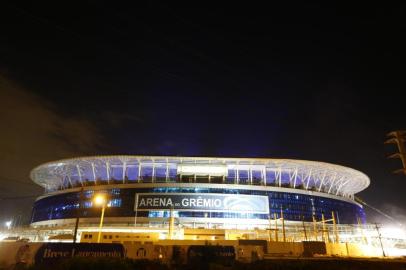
10	252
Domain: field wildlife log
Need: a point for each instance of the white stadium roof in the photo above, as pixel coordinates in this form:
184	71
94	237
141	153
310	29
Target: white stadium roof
302	174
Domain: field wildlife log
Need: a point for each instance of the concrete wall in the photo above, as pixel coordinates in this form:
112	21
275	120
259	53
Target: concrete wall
355	250
352	250
285	248
339	249
332	249
10	254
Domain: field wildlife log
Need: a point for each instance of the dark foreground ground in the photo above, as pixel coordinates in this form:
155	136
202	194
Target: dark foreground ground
322	264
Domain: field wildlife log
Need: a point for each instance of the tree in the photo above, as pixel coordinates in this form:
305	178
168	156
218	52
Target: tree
398	137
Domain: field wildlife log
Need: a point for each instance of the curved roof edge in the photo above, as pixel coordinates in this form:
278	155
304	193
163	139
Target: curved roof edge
352	181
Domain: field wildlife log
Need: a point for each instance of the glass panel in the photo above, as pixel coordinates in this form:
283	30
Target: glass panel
202	179
101	174
87	174
216	179
243	177
271	178
132	172
172	173
312	184
285	179
231	178
256	177
75	178
187	178
116	173
115	203
146	173
299	182
160	172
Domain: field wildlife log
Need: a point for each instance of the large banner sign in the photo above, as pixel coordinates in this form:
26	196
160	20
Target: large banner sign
54	252
202	202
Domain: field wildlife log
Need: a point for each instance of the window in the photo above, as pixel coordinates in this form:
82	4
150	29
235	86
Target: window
116	172
115	191
115	203
146	173
256	177
243	177
271	178
160	172
231	176
132	172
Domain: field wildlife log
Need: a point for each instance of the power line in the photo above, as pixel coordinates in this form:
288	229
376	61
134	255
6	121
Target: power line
377	210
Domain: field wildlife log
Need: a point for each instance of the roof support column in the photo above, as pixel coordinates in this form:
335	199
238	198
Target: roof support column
139	172
308	179
94	173
322	180
79	174
250	175
294	177
332	182
70	180
153	172
108	172
124	170
341	185
167	171
237	174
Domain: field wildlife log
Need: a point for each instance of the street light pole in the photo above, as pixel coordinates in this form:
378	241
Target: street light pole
100	199
101	222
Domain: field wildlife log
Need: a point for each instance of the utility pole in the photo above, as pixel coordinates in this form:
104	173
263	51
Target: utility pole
335	227
380	239
78	213
315	228
276	227
304	228
398	137
323	221
283	226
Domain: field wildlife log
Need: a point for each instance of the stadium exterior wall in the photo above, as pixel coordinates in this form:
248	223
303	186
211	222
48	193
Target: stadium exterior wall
296	204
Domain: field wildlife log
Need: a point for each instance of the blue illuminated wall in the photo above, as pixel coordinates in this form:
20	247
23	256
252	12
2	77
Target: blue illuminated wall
121	204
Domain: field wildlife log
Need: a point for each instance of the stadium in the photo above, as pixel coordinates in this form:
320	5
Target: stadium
197	192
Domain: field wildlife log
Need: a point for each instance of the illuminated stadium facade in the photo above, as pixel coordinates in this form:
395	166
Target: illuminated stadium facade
198	191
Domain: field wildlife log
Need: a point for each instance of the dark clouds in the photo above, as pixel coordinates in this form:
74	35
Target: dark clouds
34	132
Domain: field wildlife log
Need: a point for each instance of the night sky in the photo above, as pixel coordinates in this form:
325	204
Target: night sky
300	81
